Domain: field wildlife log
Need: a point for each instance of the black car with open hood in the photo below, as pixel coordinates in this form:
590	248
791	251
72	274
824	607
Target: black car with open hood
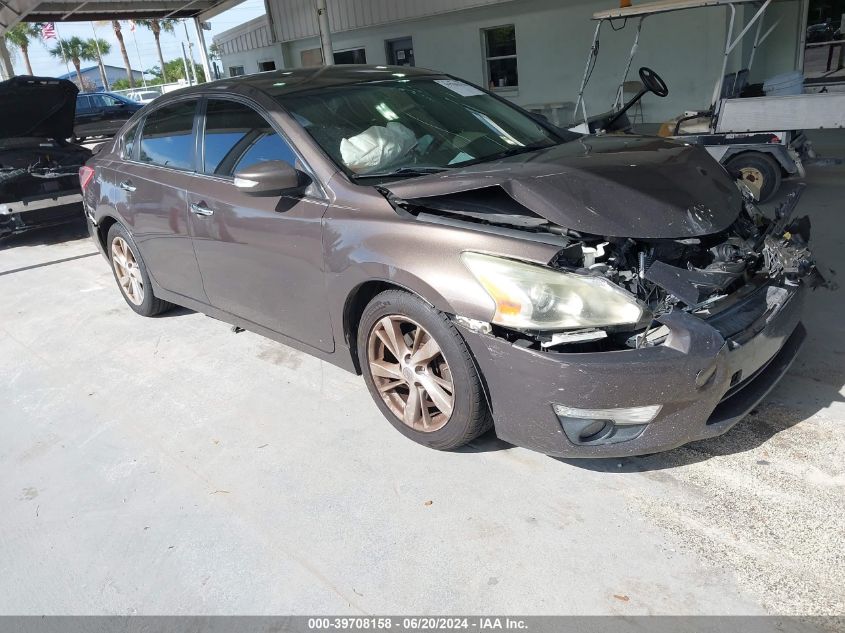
41	107
39	183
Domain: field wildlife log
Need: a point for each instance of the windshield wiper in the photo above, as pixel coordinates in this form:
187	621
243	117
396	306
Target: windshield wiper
420	170
511	151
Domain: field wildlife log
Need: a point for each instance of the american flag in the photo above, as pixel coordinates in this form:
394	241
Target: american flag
48	31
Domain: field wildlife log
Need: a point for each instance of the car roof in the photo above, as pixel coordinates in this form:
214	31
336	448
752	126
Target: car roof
281	82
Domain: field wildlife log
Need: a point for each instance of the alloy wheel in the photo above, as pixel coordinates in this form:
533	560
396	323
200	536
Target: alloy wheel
127	271
410	373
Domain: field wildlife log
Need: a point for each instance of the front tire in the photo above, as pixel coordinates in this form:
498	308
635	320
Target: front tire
420	372
131	274
760	172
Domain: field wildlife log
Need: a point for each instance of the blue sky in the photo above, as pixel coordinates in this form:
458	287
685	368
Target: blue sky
45	65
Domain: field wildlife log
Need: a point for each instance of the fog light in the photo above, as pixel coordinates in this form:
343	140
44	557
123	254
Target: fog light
620	416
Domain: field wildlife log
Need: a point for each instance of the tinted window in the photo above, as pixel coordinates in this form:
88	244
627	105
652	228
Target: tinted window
237	137
82	105
167	137
129	142
103	101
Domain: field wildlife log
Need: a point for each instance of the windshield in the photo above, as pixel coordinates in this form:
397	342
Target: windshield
409	127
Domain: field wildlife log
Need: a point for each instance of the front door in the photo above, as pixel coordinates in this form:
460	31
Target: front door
261	257
400	52
150	194
113	113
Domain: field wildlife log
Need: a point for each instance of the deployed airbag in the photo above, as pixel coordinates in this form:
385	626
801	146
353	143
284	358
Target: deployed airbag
377	147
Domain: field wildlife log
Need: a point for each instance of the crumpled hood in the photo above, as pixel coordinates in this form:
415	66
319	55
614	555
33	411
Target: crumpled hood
41	107
615	186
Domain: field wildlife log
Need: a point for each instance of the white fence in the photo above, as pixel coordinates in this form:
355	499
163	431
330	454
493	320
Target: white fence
159	88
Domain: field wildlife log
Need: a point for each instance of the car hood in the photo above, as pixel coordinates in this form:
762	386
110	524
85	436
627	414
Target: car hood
41	107
614	186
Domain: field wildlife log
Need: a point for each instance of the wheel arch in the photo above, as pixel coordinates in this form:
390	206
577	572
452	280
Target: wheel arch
103	227
357	300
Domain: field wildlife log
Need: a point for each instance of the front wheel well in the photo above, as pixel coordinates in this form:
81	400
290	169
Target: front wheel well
356	302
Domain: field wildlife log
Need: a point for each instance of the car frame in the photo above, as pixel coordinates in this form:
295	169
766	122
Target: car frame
359	276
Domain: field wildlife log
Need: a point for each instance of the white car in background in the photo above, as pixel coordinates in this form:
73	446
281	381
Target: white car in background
143	96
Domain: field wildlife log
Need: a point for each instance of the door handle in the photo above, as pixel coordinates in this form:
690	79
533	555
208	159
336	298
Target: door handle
201	209
127	185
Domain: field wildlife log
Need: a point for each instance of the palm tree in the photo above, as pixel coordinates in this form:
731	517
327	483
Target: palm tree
115	24
19	37
96	49
157	26
73	50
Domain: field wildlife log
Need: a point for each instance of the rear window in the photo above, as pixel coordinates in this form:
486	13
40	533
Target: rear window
167	138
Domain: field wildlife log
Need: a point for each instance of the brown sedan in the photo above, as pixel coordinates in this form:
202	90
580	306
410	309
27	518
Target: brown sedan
584	295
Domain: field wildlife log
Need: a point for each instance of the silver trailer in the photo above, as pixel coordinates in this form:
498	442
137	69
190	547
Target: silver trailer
760	139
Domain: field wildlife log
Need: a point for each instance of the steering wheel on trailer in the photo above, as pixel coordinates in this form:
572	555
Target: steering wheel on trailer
653	82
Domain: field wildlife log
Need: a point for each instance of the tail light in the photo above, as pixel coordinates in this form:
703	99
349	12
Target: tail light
86	175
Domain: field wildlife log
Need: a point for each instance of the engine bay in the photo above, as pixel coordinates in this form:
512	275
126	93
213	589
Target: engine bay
29	168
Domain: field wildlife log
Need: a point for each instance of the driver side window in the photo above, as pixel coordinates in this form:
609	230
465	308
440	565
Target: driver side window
237	137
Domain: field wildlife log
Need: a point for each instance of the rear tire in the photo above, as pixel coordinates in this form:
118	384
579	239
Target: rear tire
426	383
131	274
760	172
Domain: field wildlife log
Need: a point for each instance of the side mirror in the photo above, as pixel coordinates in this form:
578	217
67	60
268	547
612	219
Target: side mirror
270	177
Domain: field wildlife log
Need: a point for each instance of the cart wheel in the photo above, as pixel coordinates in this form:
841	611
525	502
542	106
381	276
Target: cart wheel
760	172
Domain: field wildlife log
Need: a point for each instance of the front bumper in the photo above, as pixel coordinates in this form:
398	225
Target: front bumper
748	349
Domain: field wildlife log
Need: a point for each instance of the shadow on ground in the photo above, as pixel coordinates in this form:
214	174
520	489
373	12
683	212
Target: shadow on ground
47	236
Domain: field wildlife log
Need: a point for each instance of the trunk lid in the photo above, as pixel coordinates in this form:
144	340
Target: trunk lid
41	107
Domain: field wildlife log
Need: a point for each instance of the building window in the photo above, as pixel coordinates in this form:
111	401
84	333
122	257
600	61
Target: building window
263	67
236	71
353	56
311	57
500	57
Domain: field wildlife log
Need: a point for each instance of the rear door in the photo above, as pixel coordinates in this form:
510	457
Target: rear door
260	256
152	196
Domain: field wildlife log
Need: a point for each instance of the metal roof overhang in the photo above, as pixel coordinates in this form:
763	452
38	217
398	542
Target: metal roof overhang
14	11
663	6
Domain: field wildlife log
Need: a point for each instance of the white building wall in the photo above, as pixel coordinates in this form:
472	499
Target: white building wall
248	45
552	40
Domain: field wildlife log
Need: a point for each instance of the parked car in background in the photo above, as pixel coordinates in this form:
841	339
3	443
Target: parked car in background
823	32
143	96
101	114
39	185
587	296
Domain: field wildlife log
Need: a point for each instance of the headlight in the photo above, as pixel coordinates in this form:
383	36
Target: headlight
536	298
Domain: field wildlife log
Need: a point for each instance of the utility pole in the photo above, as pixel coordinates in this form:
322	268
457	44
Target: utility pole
190	52
185	62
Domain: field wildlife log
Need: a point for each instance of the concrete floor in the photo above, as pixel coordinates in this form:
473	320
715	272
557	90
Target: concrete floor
167	465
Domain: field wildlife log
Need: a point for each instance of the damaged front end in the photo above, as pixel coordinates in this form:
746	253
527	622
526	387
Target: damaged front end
709	276
705	276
